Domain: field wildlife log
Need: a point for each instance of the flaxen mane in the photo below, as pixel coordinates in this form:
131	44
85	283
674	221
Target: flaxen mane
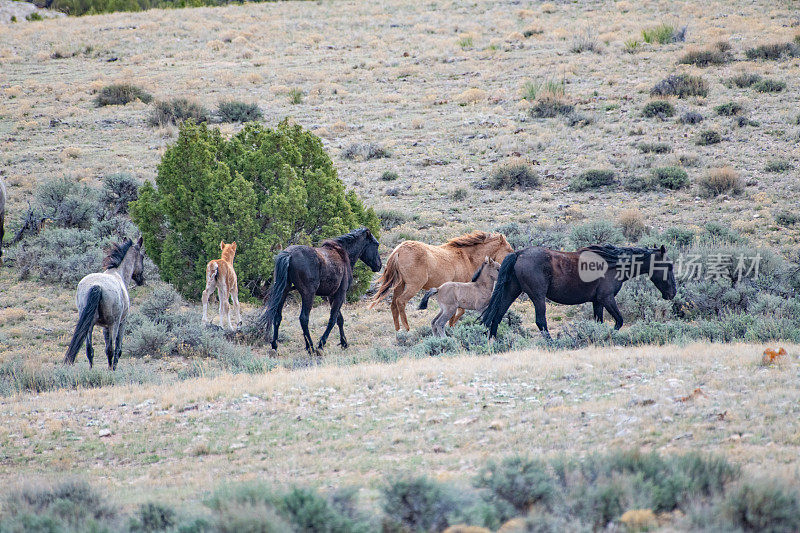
117	254
471	239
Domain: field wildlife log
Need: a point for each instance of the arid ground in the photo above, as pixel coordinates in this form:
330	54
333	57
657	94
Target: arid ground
440	85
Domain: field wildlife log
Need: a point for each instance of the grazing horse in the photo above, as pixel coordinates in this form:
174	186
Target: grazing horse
103	300
2	215
327	271
221	276
592	274
414	265
455	296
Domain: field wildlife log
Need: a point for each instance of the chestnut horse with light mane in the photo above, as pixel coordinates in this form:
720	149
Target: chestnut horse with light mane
413	266
221	276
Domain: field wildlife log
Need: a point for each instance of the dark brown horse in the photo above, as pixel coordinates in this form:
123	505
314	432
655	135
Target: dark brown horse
323	271
592	274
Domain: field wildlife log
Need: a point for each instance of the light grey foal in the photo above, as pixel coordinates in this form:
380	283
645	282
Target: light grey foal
454	296
103	300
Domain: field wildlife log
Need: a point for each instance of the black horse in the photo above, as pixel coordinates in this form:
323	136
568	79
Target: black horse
592	274
325	271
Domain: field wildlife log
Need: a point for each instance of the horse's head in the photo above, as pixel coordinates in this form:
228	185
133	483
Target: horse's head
138	262
503	248
661	273
228	250
370	255
491	267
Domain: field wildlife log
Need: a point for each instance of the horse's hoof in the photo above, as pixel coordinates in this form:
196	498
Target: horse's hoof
344	345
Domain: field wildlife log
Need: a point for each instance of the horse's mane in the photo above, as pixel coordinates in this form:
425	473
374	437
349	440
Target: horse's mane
613	254
477	273
471	239
117	254
347	239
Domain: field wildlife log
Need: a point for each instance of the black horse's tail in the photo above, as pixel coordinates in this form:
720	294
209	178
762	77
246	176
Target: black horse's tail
506	290
85	323
275	299
424	303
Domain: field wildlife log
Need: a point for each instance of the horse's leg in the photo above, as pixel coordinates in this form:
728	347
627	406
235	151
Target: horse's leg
445	314
305	311
435	320
456	317
541	318
89	348
611	306
342	340
119	329
207	293
236	305
109	346
408	292
598	311
336	308
278	318
227	308
398	290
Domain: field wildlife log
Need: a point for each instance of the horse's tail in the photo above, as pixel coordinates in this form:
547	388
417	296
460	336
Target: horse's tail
423	304
503	294
212	271
389	278
275	299
85	323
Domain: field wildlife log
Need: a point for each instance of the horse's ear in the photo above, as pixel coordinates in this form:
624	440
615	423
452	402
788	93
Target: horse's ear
486	259
663	249
221	245
140	242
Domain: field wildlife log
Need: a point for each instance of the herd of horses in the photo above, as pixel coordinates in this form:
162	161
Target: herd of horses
478	271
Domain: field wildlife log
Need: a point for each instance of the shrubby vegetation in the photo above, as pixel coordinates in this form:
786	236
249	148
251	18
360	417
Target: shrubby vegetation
658	108
592	179
268	188
560	494
719	54
512	174
680	85
177	110
79	222
234	111
93	7
121	94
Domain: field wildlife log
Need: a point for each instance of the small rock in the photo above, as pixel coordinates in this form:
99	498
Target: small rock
236	446
105	433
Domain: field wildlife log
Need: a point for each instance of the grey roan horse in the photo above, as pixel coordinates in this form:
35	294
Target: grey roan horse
103	300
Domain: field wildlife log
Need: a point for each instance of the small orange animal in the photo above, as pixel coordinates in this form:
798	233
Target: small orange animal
221	276
772	355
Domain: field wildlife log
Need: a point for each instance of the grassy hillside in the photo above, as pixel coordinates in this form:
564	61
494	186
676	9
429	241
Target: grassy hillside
429	111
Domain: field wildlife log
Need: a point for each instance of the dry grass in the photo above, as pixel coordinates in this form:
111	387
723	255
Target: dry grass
355	424
448	108
724	180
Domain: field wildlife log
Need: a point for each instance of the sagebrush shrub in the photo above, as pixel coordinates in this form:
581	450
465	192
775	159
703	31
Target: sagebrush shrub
768	85
778	165
592	179
67	203
550	106
743	80
773	51
389	175
118	191
728	109
655	148
390	218
671	177
512	174
631	222
365	151
658	108
691	117
719	54
707	137
176	111
121	94
517	483
234	111
595	232
787	218
639	183
265	187
718	181
680	85
418	504
762	505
